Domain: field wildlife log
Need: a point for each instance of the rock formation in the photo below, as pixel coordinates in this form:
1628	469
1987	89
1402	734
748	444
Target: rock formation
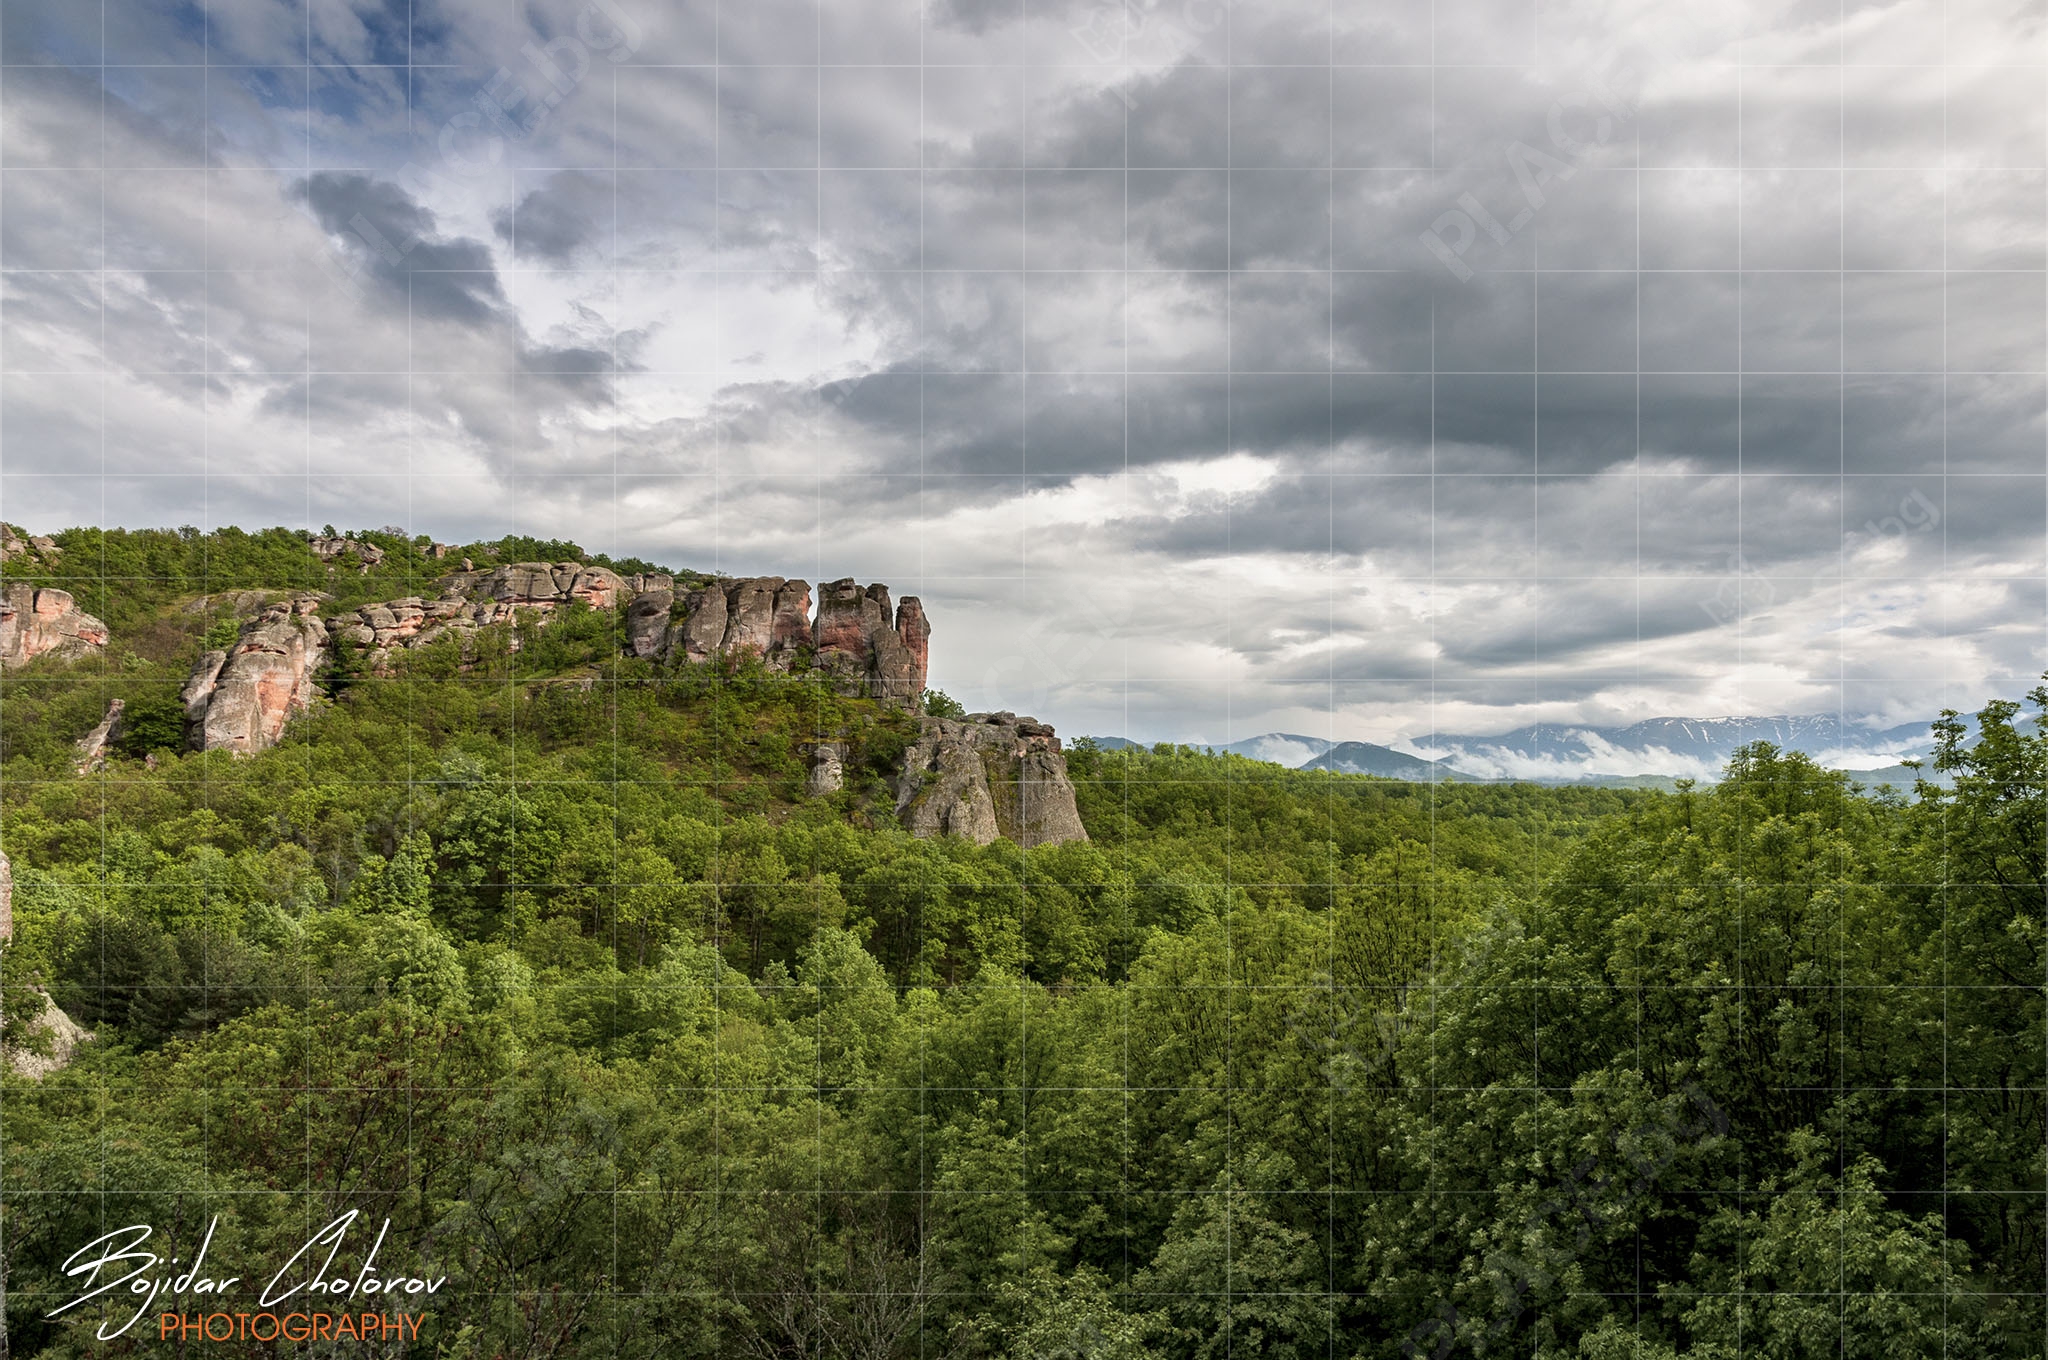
92	747
647	621
856	639
6	898
62	1037
45	622
240	700
766	617
537	585
852	639
828	769
988	775
470	600
13	544
333	549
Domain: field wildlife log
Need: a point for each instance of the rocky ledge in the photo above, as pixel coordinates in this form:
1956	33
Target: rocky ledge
470	600
240	699
988	775
44	622
855	637
985	776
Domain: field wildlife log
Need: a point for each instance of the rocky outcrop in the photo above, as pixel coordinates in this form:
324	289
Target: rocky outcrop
92	747
6	898
765	617
53	1040
239	700
246	604
853	638
647	622
14	544
857	639
988	775
538	585
470	600
828	769
333	549
44	622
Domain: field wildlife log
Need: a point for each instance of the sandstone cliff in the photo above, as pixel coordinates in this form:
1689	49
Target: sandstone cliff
988	775
240	700
45	622
853	638
470	600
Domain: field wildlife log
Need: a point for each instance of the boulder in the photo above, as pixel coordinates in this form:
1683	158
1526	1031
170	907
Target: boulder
45	622
240	699
828	769
988	775
62	1037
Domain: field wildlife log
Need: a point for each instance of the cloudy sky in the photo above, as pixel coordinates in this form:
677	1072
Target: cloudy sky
1358	369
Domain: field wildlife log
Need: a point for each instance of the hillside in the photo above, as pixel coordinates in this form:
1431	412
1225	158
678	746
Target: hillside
675	996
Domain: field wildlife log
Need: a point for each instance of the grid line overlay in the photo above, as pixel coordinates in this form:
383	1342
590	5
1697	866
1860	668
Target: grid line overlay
1239	698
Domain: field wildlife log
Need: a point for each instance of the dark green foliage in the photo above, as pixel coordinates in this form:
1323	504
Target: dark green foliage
152	722
940	704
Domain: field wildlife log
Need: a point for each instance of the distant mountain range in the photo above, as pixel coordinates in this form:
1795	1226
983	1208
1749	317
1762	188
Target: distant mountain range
1654	752
1695	748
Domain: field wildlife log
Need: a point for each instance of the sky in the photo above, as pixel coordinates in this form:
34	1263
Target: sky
1363	370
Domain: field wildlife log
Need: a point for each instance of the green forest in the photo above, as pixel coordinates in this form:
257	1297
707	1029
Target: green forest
545	956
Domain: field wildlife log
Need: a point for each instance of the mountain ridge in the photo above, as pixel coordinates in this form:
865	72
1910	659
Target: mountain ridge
1652	752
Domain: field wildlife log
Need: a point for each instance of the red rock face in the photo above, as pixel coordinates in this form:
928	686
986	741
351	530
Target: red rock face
598	587
916	631
241	700
45	622
840	627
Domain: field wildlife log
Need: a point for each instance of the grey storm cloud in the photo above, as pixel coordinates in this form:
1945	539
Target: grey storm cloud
455	280
1073	293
